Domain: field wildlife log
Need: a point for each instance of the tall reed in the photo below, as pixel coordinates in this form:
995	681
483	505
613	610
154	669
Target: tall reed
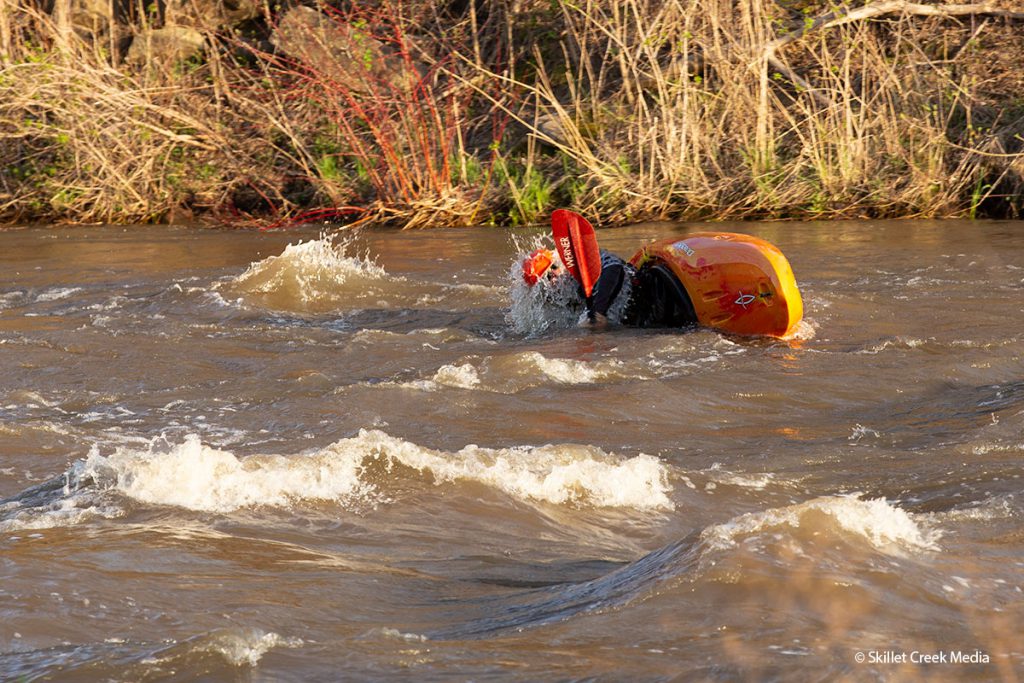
387	132
681	109
90	142
626	109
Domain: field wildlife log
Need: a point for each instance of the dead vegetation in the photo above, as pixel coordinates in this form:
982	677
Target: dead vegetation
466	113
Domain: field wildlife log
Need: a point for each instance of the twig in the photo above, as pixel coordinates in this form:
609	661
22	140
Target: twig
843	16
974	34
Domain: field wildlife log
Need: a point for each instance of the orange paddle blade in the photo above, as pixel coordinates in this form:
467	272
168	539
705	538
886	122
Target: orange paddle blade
577	246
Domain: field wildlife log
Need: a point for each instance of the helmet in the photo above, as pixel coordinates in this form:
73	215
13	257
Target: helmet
536	265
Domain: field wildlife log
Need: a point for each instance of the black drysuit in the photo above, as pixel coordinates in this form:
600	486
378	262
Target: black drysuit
656	297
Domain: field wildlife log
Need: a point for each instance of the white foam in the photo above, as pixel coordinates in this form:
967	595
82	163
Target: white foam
395	634
32	399
568	371
217	299
8	299
57	293
985	449
489	290
313	271
431	336
462	376
756	482
885	526
61	513
999	507
195	476
247	647
805	330
897	343
110	304
859	431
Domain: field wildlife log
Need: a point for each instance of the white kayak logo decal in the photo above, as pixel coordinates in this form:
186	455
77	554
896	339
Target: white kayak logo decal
683	247
745	300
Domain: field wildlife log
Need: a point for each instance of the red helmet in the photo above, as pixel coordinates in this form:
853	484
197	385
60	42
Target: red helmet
536	265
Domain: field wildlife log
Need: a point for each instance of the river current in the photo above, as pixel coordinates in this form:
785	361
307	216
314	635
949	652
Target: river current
299	456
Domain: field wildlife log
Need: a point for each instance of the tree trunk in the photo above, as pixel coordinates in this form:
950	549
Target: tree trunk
62	22
6	42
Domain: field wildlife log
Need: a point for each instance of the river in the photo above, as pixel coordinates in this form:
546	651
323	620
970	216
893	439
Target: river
290	456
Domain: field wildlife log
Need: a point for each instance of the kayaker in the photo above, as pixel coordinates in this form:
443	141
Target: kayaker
732	282
622	294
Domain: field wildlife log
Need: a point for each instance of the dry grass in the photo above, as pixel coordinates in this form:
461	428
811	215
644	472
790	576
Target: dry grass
680	109
626	110
87	142
387	137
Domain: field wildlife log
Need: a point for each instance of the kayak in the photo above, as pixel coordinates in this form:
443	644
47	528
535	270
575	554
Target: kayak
728	281
735	283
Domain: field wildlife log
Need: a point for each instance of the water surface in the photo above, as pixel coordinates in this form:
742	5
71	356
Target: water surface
285	457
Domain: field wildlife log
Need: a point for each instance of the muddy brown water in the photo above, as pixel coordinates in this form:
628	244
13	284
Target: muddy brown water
229	455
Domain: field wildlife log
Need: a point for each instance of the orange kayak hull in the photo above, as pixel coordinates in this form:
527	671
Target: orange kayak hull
737	283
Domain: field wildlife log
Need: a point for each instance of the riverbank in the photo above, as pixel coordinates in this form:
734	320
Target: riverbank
429	113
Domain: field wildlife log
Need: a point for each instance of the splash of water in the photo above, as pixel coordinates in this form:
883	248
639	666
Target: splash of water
548	305
311	263
245	647
318	274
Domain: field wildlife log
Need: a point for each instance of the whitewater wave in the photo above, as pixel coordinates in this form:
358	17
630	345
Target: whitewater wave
195	476
316	275
568	371
352	472
886	527
463	376
817	529
217	653
514	373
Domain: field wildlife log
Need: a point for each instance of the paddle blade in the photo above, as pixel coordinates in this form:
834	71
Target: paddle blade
577	247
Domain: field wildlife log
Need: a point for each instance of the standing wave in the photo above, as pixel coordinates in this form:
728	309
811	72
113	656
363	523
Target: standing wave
353	472
846	532
222	653
317	275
